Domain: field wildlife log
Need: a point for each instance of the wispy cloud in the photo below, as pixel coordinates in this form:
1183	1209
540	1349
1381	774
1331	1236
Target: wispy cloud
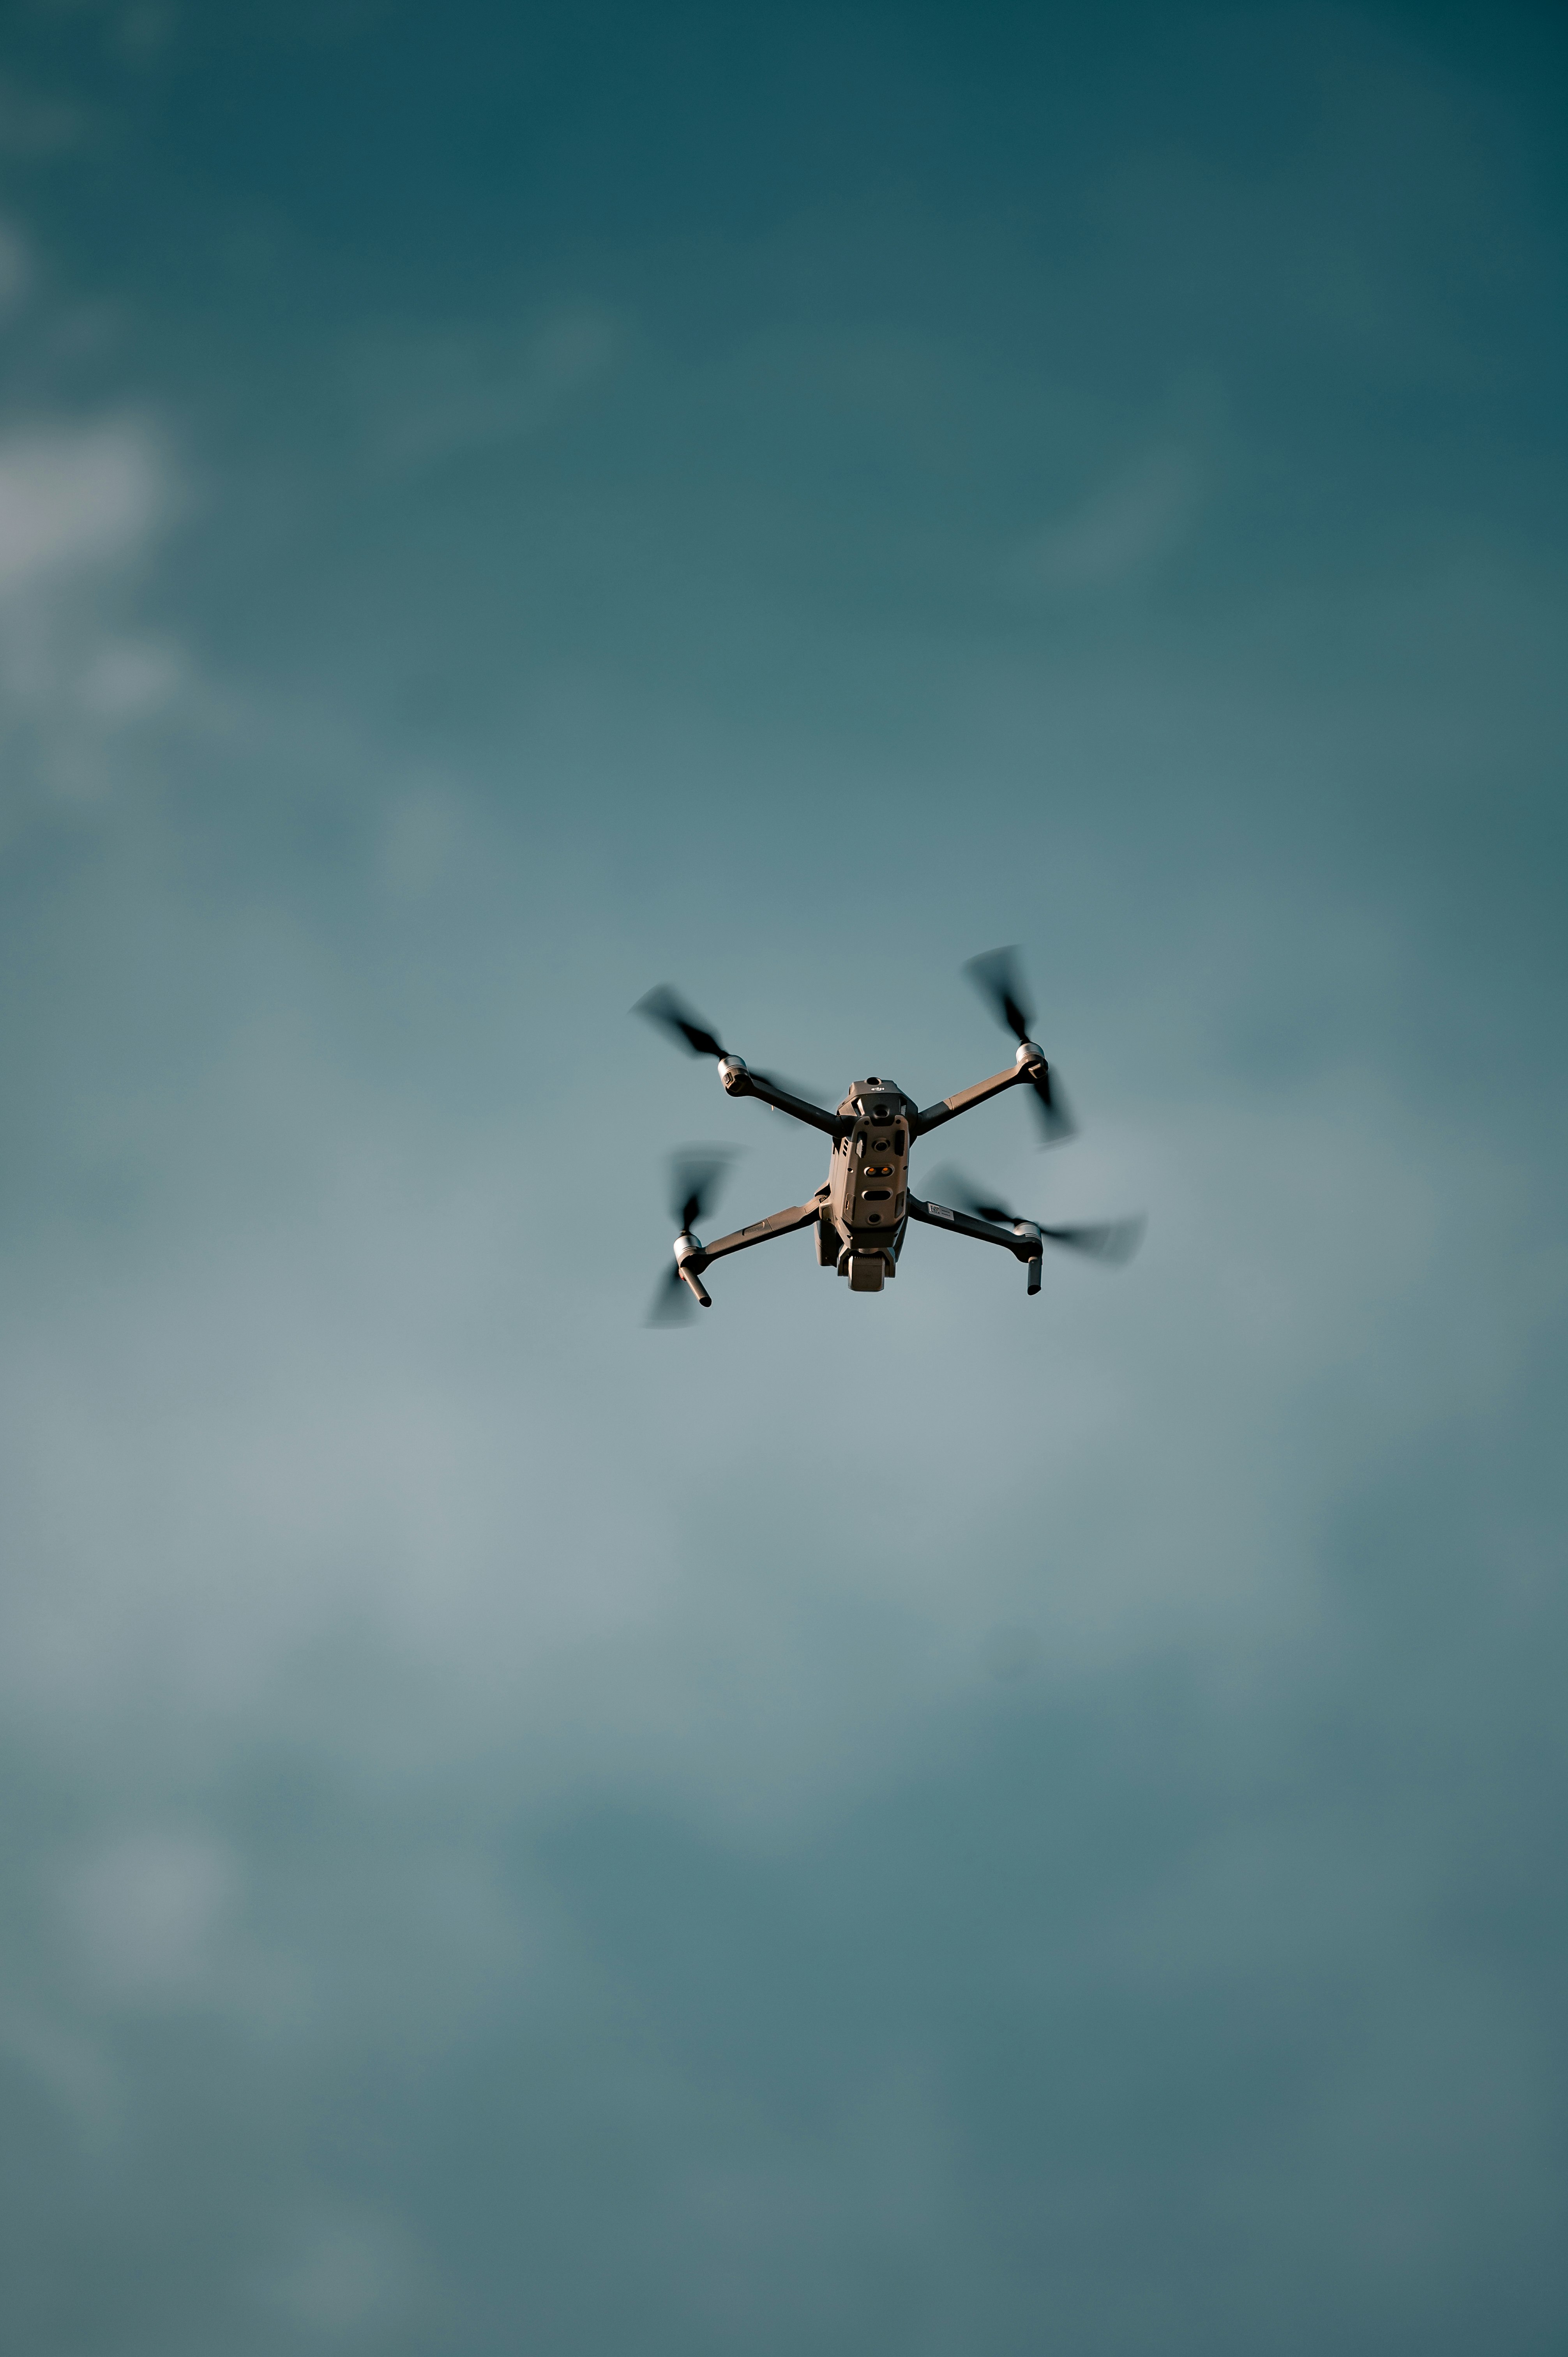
434	394
77	501
1122	530
82	509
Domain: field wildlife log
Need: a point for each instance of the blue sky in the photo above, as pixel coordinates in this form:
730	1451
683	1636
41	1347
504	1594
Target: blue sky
920	1824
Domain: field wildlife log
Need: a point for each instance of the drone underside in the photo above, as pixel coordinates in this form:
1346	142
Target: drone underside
861	1216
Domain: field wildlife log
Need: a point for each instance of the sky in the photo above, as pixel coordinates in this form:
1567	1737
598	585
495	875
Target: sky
936	1824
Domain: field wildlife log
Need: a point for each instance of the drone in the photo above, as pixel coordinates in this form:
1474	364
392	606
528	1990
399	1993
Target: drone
861	1216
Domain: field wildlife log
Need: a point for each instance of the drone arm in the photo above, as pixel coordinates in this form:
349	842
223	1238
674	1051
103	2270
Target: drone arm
936	1215
951	1107
762	1232
745	1083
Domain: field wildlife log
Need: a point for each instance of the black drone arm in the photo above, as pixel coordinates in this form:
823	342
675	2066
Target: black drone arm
743	1083
761	1232
936	1215
951	1107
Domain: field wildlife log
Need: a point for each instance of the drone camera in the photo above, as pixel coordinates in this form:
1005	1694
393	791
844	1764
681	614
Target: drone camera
870	1101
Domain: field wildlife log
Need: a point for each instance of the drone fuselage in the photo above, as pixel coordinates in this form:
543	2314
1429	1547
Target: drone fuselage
862	1225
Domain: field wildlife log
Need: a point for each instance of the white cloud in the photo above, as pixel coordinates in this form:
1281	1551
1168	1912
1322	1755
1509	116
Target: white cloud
380	1455
83	508
76	498
129	679
146	1914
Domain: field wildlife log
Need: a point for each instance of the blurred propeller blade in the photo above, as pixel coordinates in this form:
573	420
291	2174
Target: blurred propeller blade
1111	1241
695	1178
673	1304
957	1192
1056	1121
998	978
995	974
662	1005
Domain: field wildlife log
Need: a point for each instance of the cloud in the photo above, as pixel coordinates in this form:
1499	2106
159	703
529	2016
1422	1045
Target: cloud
1123	530
913	1824
431	394
82	509
76	500
146	1914
352	2275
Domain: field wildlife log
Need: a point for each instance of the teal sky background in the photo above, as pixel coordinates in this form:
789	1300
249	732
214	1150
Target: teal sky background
908	1825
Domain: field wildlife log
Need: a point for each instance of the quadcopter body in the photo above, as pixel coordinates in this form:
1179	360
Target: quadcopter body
861	1216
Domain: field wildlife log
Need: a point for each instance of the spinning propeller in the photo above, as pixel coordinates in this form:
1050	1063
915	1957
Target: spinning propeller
662	1006
996	978
695	1178
1113	1241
